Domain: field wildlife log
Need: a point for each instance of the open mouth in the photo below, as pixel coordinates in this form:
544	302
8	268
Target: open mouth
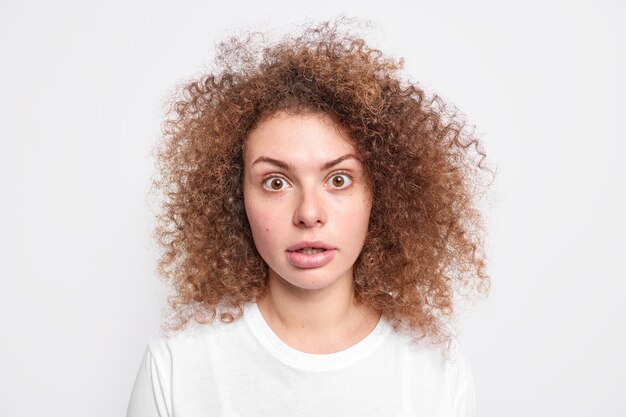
310	247
310	251
310	254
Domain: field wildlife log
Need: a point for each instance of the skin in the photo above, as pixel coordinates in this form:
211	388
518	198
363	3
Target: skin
291	195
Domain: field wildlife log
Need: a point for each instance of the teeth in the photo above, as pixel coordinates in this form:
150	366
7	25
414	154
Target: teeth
310	251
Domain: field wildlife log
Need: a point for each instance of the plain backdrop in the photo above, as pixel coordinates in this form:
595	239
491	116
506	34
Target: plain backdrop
82	92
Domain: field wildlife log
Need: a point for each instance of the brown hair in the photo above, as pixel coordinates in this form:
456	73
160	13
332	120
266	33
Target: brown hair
425	239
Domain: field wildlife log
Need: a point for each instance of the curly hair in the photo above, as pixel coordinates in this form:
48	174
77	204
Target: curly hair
425	240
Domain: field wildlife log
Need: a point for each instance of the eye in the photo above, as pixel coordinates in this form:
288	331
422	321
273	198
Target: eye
274	183
339	181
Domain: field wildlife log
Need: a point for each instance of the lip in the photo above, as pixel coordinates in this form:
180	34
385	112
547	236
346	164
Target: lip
309	244
314	260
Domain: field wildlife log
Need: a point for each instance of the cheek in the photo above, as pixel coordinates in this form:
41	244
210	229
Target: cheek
356	214
263	214
361	219
258	220
264	235
262	225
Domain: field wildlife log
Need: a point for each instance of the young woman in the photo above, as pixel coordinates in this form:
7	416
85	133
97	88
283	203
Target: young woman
318	222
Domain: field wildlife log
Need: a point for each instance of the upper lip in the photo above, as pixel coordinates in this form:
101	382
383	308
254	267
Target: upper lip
302	245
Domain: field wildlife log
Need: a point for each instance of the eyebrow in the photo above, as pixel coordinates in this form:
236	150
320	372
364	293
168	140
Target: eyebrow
285	165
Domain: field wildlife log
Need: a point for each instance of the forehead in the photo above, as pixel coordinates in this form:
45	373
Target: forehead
299	138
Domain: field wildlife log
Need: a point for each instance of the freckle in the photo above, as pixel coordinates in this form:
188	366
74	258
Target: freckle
267	230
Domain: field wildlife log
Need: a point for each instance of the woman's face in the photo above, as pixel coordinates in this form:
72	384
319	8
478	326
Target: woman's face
306	199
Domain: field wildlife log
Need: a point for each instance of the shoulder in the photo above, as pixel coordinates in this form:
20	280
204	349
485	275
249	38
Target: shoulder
457	365
165	343
449	353
175	361
459	379
441	372
447	358
446	354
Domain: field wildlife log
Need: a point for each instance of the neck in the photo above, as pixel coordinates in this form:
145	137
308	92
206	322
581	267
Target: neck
316	321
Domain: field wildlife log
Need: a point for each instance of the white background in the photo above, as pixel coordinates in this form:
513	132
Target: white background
82	90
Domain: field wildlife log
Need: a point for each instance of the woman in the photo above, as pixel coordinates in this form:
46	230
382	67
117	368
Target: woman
318	221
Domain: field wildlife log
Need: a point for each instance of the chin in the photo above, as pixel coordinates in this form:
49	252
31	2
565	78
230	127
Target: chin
308	279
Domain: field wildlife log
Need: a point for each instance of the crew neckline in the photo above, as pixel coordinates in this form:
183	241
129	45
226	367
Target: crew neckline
312	361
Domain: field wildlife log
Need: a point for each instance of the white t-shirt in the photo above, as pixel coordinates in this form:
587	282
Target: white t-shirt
243	369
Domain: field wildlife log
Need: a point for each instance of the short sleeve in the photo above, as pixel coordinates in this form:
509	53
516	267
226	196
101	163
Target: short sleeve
149	396
462	392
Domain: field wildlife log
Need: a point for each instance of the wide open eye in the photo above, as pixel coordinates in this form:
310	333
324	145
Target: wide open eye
275	183
339	181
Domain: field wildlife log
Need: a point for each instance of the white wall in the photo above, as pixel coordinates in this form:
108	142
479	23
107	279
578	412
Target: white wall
81	94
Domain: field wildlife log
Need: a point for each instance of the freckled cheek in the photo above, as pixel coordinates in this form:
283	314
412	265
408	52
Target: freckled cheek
263	224
257	213
360	220
258	222
356	218
266	234
355	211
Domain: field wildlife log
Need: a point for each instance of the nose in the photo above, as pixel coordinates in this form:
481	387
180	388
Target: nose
310	210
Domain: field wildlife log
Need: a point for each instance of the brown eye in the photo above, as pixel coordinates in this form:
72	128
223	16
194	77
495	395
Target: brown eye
274	183
340	181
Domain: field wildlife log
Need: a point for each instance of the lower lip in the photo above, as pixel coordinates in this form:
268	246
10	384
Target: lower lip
314	260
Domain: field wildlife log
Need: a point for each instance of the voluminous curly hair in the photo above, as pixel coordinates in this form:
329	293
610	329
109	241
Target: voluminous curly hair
425	239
